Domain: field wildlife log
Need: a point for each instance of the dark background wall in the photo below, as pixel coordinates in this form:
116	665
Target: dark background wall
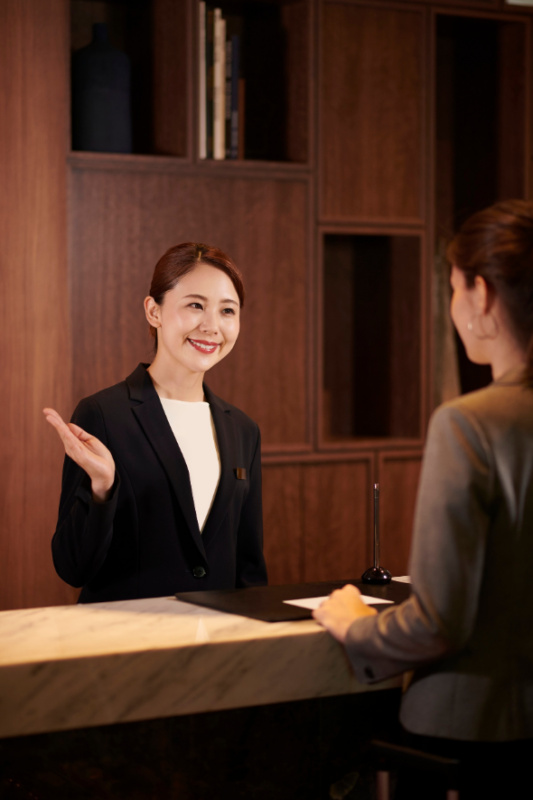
335	239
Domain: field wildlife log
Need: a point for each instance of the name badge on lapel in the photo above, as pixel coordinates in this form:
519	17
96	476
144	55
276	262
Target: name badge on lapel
240	473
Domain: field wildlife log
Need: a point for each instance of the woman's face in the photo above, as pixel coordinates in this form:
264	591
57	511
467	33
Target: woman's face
467	304
199	319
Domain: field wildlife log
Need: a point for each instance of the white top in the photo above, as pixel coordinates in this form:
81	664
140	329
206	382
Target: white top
192	425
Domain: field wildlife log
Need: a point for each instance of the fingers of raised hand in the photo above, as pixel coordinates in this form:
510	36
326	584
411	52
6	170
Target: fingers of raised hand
79	432
53	418
86	450
62	429
70	438
91	443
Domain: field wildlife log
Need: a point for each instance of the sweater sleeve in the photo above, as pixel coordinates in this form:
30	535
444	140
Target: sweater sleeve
447	556
84	529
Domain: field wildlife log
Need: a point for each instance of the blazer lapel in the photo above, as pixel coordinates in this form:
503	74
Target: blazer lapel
153	421
227	448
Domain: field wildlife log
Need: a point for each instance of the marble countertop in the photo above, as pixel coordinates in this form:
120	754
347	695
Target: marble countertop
78	666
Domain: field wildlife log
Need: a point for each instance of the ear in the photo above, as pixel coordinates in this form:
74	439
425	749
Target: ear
152	311
484	295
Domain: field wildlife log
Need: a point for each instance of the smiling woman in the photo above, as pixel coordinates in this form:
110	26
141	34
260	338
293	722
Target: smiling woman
162	479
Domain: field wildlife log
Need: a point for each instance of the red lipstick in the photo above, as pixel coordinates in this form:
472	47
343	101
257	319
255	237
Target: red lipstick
202	346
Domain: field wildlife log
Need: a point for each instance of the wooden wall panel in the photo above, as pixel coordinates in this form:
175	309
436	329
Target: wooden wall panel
371	93
336	520
283	523
170	87
489	5
122	222
33	293
398	479
512	106
295	18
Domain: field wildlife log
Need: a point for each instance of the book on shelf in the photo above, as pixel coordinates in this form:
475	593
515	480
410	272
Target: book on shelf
220	85
202	143
227	99
234	95
209	79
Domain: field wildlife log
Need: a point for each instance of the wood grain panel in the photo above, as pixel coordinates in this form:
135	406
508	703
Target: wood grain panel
122	222
487	4
336	520
33	294
371	113
398	479
169	23
283	523
295	17
512	107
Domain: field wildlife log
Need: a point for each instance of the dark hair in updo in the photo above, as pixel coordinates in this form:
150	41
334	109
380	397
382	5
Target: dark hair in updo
497	244
182	259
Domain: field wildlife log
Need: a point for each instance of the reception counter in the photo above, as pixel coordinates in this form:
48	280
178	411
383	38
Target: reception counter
81	666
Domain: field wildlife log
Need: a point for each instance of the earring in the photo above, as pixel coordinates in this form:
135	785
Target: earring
483	334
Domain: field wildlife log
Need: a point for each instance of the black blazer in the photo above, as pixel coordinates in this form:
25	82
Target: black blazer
145	541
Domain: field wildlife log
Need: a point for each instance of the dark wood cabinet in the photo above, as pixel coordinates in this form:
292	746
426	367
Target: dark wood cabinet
372	101
393	120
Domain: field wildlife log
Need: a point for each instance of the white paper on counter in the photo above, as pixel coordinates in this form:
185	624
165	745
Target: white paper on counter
314	602
403	579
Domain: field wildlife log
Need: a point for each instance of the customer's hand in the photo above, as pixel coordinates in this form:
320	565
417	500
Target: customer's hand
342	608
88	452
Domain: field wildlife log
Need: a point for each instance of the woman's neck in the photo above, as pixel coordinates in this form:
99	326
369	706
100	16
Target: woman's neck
506	355
173	382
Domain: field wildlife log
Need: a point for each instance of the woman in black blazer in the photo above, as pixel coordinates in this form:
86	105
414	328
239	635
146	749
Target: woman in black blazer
139	515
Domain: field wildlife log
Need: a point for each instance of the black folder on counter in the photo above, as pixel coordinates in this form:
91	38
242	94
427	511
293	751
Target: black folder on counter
266	602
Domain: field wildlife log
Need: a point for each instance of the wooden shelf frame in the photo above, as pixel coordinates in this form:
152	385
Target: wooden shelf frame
309	62
356	444
118	162
417	215
313	449
122	211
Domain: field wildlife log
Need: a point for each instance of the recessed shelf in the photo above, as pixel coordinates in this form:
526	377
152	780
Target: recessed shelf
371	337
153	34
480	129
121	162
274	64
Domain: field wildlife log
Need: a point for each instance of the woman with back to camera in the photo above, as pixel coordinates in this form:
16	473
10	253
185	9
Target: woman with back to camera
161	484
467	629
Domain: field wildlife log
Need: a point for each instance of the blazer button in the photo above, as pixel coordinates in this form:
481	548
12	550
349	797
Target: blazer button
199	572
369	672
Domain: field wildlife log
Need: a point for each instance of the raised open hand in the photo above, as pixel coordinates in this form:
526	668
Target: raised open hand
88	452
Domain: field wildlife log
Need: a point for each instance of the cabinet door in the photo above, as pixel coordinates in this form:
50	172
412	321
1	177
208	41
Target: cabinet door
336	519
371	112
283	532
398	479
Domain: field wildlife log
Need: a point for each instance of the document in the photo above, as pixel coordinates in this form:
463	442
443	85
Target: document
315	602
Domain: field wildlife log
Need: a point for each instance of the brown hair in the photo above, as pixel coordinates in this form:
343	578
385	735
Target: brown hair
497	244
182	259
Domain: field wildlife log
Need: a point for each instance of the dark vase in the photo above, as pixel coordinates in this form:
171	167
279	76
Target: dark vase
101	107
